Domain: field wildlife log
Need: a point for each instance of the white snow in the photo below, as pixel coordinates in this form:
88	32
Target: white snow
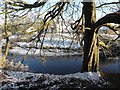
37	52
47	44
57	41
18	77
109	36
3	41
53	43
92	76
14	37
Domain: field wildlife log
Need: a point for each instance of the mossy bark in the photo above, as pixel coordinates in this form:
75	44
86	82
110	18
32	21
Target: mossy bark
91	48
6	35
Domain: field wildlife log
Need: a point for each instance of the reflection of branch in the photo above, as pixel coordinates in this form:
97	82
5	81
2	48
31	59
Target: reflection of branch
107	4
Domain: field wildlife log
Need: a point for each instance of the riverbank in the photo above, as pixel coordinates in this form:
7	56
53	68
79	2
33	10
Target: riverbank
113	79
112	52
28	81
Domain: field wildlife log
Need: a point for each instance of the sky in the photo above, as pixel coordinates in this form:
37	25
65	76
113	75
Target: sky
99	14
32	1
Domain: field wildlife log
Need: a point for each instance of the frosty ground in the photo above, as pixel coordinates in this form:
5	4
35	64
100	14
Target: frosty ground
10	80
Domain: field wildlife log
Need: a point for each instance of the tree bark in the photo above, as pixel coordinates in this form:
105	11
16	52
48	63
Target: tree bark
109	18
91	49
6	36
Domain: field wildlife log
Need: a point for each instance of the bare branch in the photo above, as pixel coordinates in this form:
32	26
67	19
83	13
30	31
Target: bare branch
109	18
23	6
107	4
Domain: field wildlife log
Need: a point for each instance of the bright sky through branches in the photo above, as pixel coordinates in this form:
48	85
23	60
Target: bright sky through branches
32	1
99	12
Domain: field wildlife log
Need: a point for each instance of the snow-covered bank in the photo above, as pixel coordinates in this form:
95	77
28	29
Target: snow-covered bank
26	80
54	44
112	52
37	52
52	48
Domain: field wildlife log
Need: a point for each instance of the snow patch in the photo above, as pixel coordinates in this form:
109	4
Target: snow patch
37	52
19	79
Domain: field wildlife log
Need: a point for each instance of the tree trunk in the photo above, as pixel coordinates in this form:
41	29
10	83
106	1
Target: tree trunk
91	49
6	36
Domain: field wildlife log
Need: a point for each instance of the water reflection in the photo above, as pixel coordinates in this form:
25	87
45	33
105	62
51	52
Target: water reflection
64	64
111	65
53	65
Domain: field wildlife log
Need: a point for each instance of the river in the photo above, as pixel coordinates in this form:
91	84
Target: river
64	64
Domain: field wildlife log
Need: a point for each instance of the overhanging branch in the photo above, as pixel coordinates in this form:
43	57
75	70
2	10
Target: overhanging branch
107	4
23	6
109	18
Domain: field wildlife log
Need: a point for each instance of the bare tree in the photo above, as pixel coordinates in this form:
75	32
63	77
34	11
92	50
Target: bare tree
87	23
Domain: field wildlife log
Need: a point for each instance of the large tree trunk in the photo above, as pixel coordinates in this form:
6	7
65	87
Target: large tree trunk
91	49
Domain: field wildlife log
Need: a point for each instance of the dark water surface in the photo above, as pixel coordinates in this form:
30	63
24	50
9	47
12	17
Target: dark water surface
110	65
65	64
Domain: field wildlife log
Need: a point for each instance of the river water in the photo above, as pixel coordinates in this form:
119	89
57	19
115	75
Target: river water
64	64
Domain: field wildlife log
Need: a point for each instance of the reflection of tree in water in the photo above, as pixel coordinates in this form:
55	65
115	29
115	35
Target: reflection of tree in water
110	61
